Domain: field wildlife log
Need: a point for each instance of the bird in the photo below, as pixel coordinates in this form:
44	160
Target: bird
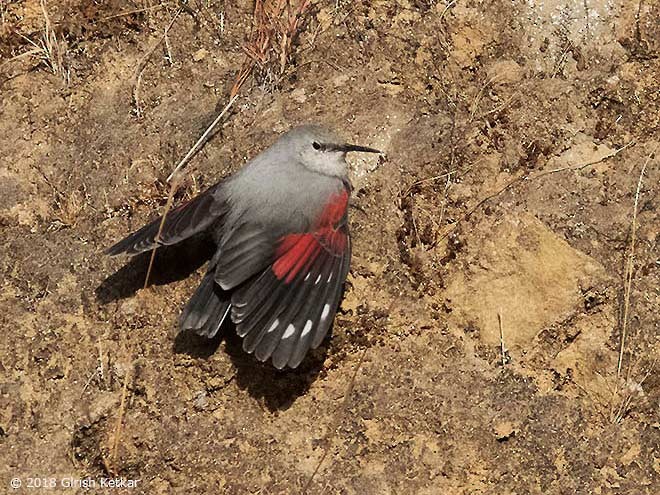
282	245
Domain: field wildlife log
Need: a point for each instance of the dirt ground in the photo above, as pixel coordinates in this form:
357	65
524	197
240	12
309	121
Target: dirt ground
490	283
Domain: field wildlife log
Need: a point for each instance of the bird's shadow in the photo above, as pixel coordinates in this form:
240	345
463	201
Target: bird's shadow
276	389
172	263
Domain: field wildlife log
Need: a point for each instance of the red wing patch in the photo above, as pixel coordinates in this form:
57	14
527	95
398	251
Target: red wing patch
297	252
334	211
289	308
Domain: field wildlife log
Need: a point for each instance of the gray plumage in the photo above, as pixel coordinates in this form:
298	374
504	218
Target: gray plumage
283	246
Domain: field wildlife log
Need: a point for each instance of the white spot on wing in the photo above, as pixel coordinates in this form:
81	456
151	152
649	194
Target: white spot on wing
326	310
318	279
306	328
289	331
307	276
274	325
330	277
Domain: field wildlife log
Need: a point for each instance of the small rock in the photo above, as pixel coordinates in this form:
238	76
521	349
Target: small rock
129	307
504	430
505	71
102	404
631	455
298	95
200	54
201	401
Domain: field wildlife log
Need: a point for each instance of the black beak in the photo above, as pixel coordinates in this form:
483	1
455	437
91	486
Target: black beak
352	147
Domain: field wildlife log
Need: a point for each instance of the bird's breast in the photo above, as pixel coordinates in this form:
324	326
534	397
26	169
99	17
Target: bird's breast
288	199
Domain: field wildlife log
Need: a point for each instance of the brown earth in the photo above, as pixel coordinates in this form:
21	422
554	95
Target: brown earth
487	285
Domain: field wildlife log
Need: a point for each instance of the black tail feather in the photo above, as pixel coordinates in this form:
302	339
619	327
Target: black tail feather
207	309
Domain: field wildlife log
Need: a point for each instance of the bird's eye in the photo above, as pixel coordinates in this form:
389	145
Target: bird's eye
316	145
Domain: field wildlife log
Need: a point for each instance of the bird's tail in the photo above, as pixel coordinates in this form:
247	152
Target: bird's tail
207	309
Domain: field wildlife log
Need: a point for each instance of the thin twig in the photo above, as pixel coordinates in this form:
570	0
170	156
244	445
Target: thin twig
340	415
168	205
447	7
585	165
502	348
174	184
142	64
428	179
137	11
202	139
478	98
109	463
530	178
628	270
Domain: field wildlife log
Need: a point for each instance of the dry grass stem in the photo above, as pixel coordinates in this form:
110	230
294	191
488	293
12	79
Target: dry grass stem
586	16
428	179
276	24
110	461
480	94
445	194
338	418
448	5
498	108
612	154
49	50
142	64
629	266
168	49
202	139
559	66
136	11
633	390
30	53
530	178
502	347
175	177
168	205
481	203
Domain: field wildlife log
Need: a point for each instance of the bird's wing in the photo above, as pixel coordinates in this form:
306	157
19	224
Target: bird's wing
288	307
246	251
182	222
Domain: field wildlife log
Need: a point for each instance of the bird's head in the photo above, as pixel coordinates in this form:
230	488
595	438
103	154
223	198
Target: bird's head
322	150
